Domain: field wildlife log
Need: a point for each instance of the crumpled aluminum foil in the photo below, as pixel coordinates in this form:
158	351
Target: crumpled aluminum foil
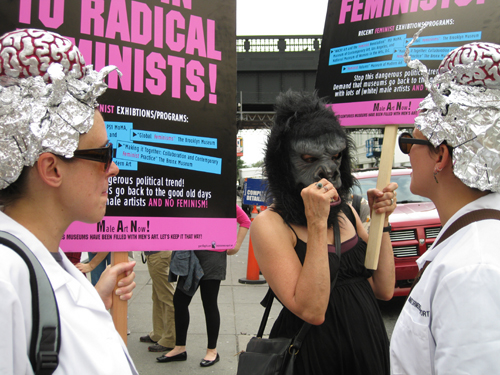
463	109
44	113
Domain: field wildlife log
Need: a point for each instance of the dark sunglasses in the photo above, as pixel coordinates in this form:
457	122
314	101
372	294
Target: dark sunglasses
406	141
101	155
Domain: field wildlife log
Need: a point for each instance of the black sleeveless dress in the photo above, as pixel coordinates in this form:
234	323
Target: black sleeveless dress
352	340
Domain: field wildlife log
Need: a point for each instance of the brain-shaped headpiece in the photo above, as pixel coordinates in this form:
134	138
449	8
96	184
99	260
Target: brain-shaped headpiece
47	98
486	74
463	109
30	52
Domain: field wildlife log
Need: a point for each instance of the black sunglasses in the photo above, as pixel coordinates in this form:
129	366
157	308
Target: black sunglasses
101	155
406	141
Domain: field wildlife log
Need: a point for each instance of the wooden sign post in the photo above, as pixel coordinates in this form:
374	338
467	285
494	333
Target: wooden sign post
119	309
384	177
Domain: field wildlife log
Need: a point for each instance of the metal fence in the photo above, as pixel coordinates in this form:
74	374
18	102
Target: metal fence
296	43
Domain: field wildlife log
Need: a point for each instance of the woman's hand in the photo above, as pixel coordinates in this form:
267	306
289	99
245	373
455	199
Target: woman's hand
83	267
242	232
383	201
317	199
108	281
233	251
93	263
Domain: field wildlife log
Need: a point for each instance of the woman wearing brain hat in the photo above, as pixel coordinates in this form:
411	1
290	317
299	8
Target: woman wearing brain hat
55	161
449	324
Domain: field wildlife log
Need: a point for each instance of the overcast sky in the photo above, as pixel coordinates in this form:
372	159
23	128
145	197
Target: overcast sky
275	17
280	17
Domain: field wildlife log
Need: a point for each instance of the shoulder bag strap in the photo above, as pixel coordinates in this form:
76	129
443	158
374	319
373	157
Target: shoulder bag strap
45	337
268	299
468	218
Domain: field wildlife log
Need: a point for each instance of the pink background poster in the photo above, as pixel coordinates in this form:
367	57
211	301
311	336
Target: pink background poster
170	116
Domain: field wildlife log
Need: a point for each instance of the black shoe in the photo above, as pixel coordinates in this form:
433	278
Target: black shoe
147	339
158	348
179	357
205	363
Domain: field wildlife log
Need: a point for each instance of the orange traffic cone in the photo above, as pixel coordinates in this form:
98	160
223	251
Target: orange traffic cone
253	271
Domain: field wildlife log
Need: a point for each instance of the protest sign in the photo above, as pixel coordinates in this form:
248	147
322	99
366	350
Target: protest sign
363	73
170	116
361	68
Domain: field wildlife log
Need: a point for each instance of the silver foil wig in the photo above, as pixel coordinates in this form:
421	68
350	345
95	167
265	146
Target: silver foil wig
463	109
47	98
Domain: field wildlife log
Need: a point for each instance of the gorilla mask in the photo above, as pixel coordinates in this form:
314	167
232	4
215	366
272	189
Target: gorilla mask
306	144
314	159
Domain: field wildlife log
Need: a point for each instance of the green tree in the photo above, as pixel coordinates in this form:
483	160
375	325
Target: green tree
240	163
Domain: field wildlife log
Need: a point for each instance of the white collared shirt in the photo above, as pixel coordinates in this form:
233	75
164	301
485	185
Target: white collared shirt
90	343
450	323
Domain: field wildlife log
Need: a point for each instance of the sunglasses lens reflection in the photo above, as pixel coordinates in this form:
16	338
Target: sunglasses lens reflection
405	147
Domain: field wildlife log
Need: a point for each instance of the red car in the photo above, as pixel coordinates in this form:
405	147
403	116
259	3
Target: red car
415	225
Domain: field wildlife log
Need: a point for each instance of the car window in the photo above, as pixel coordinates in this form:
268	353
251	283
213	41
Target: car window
403	192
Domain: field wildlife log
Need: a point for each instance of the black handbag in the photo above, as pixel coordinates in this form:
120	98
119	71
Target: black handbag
276	356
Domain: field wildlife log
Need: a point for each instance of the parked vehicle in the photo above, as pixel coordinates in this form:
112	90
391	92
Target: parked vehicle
415	225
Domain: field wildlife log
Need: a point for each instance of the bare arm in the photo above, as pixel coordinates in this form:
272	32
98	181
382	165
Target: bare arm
304	290
242	232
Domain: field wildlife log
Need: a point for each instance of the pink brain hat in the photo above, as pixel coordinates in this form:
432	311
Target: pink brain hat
463	109
47	98
30	52
486	75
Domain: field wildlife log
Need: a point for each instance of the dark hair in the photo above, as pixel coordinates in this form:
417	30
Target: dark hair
15	190
301	115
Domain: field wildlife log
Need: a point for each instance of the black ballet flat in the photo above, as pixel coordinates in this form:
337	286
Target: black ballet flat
179	357
205	363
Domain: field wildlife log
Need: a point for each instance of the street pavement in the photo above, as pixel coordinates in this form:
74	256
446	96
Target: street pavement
240	311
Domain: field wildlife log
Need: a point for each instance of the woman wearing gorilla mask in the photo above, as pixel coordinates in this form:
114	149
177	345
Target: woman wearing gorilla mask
308	165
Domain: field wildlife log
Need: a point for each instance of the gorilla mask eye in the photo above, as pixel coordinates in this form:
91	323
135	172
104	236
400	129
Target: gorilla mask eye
309	159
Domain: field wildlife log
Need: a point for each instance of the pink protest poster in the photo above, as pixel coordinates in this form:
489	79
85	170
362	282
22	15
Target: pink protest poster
361	68
170	116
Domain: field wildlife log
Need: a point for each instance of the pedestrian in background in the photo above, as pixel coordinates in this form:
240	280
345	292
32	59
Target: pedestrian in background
96	265
243	226
162	337
204	269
